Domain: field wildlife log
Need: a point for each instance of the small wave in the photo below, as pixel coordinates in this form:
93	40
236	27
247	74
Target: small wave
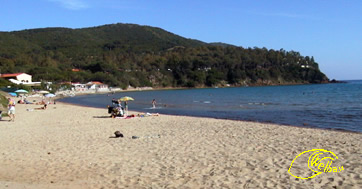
152	108
259	103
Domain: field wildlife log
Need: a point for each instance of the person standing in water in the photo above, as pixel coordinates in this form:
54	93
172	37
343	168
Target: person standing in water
154	103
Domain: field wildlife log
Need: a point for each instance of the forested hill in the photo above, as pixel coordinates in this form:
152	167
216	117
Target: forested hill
129	54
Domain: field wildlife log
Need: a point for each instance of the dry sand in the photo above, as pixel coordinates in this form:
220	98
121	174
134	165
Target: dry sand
69	146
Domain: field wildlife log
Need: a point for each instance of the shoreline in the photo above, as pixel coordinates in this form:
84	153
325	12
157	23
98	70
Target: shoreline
301	114
66	146
257	122
77	93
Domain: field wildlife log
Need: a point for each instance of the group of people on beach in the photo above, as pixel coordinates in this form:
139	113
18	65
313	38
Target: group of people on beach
119	104
119	110
12	103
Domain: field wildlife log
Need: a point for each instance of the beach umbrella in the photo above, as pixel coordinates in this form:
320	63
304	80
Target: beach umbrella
13	94
126	98
50	95
21	91
43	92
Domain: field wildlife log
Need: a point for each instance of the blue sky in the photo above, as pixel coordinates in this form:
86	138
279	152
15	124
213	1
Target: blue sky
329	30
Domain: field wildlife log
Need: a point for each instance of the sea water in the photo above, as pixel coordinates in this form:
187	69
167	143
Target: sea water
329	106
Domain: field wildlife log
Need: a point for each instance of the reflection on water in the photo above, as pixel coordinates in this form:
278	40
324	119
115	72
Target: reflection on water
336	106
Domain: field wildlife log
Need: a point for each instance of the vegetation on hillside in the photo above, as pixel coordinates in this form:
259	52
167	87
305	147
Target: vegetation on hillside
128	54
3	103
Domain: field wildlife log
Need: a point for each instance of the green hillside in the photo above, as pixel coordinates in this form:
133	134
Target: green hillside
129	54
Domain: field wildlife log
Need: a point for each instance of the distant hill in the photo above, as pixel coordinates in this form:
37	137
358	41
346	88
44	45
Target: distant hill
129	54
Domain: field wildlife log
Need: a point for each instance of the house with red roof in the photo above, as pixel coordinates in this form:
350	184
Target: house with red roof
18	78
98	86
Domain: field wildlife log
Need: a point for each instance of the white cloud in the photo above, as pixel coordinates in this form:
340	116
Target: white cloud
285	15
72	4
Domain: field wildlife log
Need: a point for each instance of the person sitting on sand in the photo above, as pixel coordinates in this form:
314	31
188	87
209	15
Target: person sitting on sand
120	110
116	111
115	102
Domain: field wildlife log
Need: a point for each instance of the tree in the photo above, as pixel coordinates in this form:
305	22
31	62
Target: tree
123	54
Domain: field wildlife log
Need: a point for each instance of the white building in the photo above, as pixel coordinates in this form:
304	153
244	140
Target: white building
79	87
97	86
18	78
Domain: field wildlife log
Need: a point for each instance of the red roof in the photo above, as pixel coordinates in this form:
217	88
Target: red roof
11	75
97	82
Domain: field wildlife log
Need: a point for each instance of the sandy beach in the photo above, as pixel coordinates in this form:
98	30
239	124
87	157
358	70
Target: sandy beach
67	146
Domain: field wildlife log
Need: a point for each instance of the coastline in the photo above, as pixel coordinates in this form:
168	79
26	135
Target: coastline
68	146
305	125
226	119
80	93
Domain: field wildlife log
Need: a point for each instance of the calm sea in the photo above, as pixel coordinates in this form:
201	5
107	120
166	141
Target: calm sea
331	106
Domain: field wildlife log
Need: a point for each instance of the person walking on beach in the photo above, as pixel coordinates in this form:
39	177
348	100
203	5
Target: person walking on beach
11	109
154	103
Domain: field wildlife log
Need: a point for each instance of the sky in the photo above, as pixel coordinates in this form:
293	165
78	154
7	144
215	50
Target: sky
328	30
